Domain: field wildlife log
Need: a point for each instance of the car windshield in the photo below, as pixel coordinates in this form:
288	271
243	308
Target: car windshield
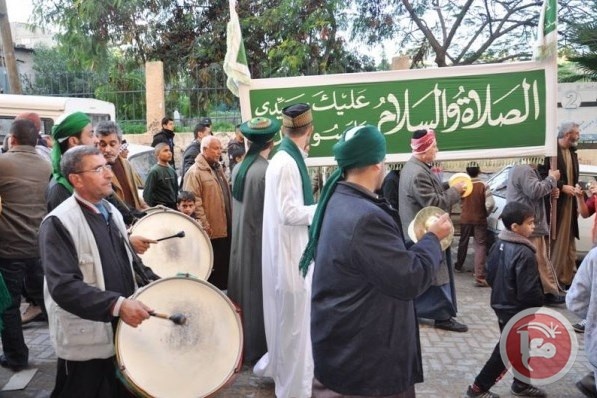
142	162
499	182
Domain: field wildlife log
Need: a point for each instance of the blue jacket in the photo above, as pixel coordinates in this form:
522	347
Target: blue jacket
364	328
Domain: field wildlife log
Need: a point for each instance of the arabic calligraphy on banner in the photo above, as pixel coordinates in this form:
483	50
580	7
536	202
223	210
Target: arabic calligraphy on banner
468	112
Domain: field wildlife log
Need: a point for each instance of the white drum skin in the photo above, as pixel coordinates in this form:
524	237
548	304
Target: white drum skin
162	359
192	254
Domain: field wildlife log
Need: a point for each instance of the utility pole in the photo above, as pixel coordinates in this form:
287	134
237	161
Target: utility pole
9	51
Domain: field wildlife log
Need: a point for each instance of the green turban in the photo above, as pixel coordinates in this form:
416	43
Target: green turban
358	147
68	127
259	131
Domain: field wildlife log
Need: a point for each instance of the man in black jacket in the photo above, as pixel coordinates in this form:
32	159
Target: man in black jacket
166	136
202	129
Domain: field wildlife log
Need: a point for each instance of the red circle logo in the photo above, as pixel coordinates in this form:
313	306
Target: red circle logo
538	345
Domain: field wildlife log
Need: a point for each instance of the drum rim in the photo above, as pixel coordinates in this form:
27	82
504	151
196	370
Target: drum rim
239	357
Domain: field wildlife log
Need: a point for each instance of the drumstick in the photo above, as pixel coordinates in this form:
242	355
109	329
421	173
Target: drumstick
177	317
176	235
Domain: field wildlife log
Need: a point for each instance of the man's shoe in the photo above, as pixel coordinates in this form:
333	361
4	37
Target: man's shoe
458	268
32	313
579	327
481	283
553	299
586	385
526	390
470	393
15	368
452	325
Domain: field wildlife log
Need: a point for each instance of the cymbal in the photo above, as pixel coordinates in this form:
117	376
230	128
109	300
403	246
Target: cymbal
462	177
419	226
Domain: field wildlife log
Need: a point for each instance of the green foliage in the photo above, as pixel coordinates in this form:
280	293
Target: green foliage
55	74
132	127
584	65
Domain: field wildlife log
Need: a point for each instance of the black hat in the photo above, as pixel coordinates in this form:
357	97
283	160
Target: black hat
297	115
205	121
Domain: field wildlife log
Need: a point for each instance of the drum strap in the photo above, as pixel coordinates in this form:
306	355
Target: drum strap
143	274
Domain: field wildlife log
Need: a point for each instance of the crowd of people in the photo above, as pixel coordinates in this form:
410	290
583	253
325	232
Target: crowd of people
331	292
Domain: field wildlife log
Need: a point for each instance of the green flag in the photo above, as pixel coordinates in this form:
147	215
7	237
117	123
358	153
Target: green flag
547	35
235	62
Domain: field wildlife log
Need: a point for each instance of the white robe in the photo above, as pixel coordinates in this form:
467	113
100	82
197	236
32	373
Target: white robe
286	294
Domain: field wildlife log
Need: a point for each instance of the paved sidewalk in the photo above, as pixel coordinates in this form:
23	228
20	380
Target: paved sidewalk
451	360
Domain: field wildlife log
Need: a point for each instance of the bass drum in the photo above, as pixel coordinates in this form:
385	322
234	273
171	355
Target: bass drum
196	359
191	254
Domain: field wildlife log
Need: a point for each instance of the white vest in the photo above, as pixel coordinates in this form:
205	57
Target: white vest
75	338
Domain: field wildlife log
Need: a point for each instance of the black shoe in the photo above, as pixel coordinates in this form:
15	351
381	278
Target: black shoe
470	393
526	390
586	385
15	368
552	299
458	268
452	325
579	327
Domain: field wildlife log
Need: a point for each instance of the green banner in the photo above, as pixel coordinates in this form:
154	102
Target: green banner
497	110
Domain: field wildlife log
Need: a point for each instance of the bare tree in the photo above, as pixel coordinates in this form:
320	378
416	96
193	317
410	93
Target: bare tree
458	32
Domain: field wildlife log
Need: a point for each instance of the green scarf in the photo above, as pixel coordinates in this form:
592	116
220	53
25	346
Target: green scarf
57	173
358	147
5	299
290	147
238	188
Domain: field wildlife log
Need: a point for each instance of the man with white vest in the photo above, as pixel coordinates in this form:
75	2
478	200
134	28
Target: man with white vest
88	275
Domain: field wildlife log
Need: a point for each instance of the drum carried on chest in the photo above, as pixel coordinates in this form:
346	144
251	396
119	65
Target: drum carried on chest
162	359
191	254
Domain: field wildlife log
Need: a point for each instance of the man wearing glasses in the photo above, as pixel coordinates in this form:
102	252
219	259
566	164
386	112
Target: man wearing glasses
89	274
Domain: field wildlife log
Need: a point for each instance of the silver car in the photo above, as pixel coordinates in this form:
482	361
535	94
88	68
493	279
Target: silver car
498	183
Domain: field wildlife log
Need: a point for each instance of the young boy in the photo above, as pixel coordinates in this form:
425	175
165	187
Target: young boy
473	222
512	273
185	203
161	185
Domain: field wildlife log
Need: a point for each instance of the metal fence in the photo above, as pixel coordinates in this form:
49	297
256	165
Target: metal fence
187	98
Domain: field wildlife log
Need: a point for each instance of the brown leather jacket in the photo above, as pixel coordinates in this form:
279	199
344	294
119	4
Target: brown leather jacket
210	200
131	181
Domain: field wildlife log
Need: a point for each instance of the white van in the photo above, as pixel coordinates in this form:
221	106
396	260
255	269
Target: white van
50	109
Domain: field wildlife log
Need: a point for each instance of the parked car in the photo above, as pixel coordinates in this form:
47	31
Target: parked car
498	183
142	158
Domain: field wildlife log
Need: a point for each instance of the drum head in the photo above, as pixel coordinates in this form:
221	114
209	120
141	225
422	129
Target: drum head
191	254
162	359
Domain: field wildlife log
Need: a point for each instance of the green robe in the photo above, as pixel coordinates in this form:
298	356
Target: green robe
244	278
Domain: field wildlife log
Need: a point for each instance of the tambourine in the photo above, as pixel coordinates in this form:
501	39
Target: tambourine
462	177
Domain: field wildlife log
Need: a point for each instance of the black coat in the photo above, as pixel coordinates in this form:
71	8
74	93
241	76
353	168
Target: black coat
391	186
512	274
189	156
364	328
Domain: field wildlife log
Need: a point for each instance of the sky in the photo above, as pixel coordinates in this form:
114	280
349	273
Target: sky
19	10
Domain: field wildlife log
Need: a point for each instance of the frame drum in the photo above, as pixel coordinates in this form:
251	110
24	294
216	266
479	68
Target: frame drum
196	359
191	254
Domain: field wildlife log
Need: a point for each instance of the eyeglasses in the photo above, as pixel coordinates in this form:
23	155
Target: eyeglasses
97	170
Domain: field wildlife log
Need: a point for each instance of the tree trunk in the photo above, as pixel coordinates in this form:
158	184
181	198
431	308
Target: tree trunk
9	51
